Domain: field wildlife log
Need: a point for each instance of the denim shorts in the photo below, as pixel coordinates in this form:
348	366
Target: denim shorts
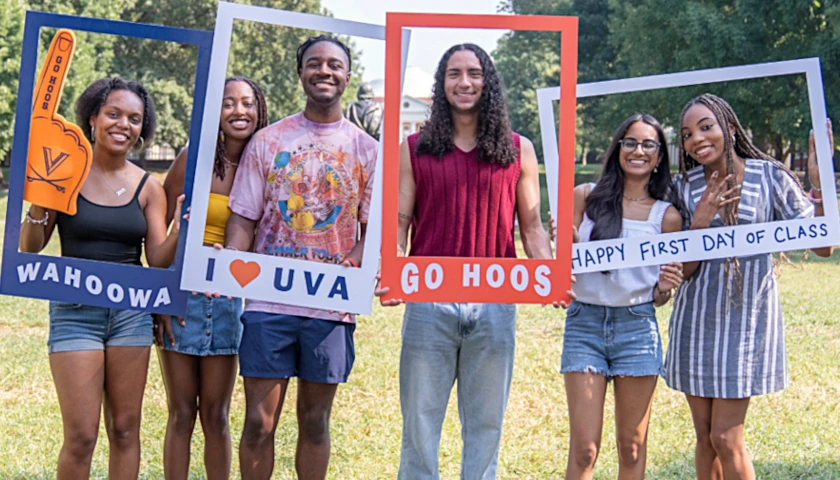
283	346
75	327
612	341
212	327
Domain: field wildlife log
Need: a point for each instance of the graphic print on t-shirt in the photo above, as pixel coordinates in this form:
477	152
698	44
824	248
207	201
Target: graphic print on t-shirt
309	186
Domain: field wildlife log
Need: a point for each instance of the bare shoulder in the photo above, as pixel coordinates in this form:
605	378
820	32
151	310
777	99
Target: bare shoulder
672	221
582	191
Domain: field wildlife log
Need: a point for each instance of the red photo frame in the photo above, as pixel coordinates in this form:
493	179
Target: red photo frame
473	279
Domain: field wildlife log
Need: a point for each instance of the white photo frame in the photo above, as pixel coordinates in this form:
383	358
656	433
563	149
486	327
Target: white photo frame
694	245
304	283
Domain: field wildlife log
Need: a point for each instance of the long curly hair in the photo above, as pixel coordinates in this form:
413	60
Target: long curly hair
494	142
262	122
605	204
741	145
95	95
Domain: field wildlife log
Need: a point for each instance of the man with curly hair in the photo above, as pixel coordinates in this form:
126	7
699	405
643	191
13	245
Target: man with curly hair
463	180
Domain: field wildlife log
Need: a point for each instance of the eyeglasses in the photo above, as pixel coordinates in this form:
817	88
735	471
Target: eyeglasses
629	145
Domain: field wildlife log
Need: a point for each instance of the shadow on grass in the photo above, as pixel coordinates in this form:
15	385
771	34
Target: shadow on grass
819	470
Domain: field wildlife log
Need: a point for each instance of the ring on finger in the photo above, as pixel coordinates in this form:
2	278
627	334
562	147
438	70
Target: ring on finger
721	198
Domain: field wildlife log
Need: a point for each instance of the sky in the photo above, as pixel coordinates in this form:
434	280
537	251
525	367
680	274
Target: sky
427	45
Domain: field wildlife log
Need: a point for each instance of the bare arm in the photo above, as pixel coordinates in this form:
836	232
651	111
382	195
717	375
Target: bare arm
239	232
534	239
407	196
173	185
33	237
671	275
814	174
160	247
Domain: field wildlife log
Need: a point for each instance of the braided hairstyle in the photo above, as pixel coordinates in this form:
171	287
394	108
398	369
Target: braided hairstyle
739	144
262	122
605	204
95	95
495	144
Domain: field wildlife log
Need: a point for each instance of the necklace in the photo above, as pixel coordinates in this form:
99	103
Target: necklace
118	192
229	163
322	145
636	199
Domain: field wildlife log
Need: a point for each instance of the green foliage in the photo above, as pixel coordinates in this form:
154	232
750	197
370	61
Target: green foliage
621	39
265	53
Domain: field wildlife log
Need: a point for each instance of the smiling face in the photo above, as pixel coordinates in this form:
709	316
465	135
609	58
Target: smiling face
703	136
463	81
640	161
239	111
119	121
324	73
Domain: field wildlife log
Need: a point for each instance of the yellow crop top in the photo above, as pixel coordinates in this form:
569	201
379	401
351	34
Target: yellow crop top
217	216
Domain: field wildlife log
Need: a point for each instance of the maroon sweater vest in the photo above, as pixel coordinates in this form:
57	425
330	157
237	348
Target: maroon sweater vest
463	207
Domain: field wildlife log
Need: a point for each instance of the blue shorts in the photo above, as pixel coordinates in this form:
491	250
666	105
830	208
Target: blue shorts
75	327
612	341
284	346
212	327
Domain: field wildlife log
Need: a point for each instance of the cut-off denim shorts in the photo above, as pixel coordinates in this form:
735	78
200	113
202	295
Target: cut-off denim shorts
612	341
75	327
212	327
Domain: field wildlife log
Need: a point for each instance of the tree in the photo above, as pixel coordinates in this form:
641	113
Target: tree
263	52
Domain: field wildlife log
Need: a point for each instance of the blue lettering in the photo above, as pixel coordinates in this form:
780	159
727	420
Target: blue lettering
824	230
644	248
278	280
310	288
211	265
576	258
620	248
339	288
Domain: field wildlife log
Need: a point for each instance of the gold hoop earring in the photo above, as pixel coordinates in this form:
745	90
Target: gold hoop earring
142	144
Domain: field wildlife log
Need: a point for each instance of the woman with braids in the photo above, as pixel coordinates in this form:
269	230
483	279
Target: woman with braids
727	340
611	331
97	350
198	354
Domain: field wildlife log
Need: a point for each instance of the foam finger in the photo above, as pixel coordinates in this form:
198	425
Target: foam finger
53	73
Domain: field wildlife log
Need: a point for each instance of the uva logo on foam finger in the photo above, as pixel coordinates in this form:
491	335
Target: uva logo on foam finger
244	272
59	156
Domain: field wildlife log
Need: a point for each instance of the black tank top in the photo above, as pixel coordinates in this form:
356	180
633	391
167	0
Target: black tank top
108	234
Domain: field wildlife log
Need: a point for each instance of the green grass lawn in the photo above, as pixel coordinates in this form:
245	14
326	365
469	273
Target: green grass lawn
792	435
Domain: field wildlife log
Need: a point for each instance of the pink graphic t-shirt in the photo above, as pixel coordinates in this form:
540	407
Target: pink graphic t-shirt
308	184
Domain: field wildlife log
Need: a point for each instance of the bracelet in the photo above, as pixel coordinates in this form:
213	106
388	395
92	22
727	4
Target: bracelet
351	261
813	199
658	292
42	221
816	188
228	247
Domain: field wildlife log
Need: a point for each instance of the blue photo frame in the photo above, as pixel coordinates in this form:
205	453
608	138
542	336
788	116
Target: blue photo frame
76	280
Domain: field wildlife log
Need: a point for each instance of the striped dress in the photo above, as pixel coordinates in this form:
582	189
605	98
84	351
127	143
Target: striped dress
726	344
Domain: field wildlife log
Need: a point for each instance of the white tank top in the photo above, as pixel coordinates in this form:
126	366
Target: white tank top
626	286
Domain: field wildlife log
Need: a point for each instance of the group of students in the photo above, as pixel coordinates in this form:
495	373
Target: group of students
304	184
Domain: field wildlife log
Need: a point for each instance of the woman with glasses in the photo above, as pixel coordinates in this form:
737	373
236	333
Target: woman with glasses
611	330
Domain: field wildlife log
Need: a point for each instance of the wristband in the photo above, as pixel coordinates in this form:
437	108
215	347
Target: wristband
351	261
228	247
42	221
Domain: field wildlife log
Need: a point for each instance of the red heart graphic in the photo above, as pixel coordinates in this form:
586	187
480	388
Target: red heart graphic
244	272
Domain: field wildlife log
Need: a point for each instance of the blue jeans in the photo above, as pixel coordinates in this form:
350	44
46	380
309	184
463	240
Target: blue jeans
612	341
442	342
